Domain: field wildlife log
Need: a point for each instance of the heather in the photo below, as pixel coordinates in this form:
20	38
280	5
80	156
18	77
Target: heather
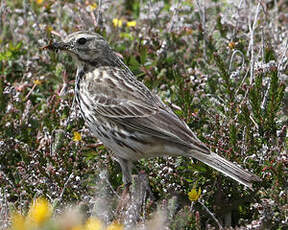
221	66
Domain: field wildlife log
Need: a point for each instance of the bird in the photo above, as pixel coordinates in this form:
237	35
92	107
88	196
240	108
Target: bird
126	116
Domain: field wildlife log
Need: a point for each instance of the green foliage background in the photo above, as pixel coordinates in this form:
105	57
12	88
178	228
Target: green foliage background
220	65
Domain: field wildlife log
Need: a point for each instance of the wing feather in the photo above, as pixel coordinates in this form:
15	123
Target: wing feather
136	108
154	121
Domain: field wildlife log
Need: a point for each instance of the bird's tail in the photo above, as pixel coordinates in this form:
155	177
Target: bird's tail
227	167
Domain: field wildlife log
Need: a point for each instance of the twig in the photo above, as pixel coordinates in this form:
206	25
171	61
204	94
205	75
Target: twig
243	80
164	44
68	120
276	17
4	210
202	11
265	98
251	43
29	93
111	188
2	13
235	29
56	33
232	58
63	190
27	6
173	18
211	214
283	54
99	13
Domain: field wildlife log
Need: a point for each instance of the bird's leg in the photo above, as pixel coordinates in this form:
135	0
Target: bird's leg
126	167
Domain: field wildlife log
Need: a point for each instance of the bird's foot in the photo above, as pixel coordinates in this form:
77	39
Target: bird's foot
134	199
124	198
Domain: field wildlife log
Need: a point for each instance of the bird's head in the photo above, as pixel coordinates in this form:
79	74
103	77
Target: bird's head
87	48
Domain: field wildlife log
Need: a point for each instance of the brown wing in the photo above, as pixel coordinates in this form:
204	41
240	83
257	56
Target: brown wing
118	96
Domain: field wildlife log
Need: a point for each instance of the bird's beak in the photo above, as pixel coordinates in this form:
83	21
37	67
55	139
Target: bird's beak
57	46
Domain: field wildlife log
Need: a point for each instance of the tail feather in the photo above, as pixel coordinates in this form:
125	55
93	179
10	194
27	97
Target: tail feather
227	168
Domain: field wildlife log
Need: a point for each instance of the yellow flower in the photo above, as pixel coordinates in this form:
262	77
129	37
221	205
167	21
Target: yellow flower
115	226
37	82
39	2
40	211
92	7
77	137
18	221
49	29
237	109
231	45
77	227
193	194
131	24
117	22
93	224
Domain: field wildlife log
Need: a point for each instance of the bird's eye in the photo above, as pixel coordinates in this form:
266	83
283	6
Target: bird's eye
81	41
